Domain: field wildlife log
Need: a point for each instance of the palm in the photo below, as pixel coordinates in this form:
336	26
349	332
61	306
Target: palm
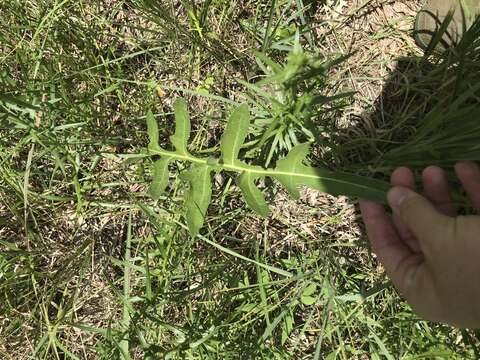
414	265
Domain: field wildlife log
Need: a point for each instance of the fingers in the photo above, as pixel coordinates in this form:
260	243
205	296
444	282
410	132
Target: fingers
404	177
469	175
435	184
379	227
392	252
382	234
420	216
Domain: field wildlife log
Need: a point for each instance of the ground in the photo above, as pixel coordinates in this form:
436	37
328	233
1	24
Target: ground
92	268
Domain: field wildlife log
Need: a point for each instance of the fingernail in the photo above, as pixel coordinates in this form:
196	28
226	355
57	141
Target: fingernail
396	196
468	167
434	175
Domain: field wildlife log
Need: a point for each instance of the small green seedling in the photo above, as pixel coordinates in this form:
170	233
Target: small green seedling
290	171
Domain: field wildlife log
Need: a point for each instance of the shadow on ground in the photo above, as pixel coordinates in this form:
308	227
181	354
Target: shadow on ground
427	114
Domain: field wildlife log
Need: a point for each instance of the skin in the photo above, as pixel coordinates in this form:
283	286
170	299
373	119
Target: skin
431	254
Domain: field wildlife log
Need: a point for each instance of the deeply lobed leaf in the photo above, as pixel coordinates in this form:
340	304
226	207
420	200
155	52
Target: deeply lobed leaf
182	126
290	171
198	196
253	196
160	177
179	140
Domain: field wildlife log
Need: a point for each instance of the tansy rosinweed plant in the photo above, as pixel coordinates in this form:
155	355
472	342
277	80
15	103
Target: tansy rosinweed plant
290	171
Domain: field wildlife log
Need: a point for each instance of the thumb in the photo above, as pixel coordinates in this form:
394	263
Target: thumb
419	215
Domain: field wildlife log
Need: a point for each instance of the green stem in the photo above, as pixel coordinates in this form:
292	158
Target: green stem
240	168
319	175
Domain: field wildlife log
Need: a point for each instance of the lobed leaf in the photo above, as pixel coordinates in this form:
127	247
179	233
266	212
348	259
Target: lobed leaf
234	135
182	127
152	131
160	177
253	196
198	196
289	169
292	173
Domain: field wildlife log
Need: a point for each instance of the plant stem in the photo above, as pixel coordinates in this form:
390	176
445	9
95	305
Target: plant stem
310	176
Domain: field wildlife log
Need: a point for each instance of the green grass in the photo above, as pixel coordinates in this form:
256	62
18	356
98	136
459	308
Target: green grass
92	268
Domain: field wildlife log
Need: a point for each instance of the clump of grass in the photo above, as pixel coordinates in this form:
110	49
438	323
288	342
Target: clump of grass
430	118
448	131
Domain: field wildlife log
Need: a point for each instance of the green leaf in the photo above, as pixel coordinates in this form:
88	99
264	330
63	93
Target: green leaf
17	100
287	329
308	297
308	300
198	196
292	173
309	290
253	196
291	168
234	135
160	177
182	127
152	130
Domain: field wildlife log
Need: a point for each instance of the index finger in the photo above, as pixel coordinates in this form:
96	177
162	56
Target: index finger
392	252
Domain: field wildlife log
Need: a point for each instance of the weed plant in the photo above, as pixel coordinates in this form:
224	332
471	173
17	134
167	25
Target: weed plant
292	103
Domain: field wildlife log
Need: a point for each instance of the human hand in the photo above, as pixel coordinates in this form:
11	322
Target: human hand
431	255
